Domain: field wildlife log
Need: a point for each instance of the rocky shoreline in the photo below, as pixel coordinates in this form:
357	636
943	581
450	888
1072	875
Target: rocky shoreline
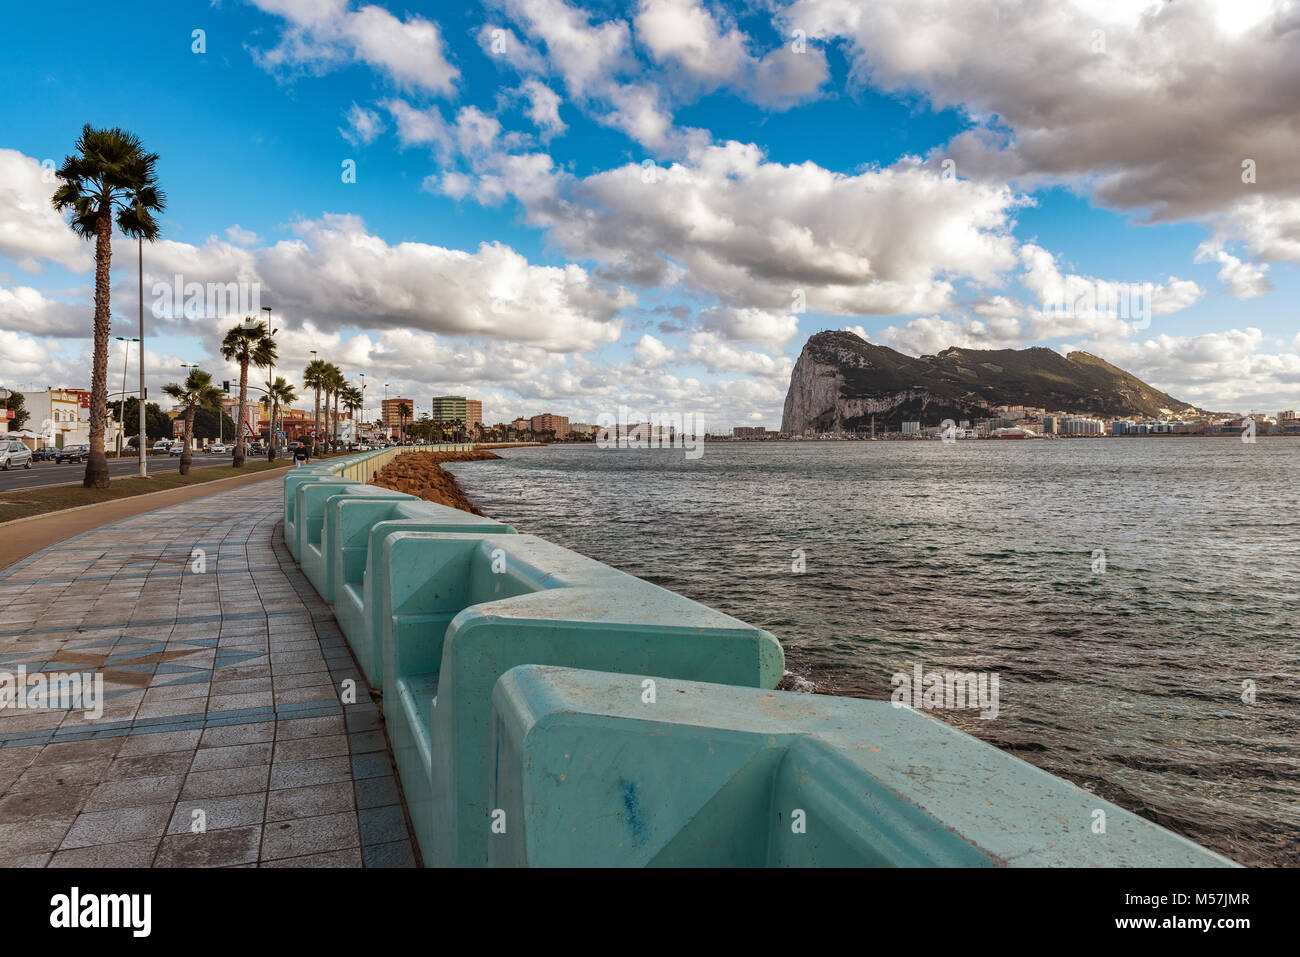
420	474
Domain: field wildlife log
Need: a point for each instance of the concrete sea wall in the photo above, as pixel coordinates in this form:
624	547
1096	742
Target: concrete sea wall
548	710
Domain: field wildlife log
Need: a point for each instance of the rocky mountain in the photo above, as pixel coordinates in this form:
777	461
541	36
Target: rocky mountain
841	381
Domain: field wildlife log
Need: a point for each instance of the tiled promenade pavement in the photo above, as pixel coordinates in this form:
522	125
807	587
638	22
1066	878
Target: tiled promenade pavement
222	692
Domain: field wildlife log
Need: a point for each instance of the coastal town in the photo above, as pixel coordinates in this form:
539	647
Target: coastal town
55	419
1021	422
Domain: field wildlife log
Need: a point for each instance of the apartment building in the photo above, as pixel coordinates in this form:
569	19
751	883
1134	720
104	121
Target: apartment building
547	422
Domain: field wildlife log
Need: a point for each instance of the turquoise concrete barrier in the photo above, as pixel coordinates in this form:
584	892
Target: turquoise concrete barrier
462	609
593	769
360	526
315	548
514	678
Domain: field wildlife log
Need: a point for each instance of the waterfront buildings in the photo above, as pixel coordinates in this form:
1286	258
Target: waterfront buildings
392	420
1079	425
450	409
547	422
62	417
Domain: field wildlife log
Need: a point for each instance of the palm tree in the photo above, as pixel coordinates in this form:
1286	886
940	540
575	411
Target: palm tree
279	393
315	376
109	172
197	392
403	413
337	383
352	399
250	341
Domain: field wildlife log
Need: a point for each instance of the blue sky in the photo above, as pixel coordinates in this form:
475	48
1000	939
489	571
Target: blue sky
795	154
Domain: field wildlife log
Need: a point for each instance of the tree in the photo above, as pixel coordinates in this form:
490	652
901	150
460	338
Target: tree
206	424
157	425
280	393
338	382
15	402
197	391
248	342
352	400
403	413
315	376
110	171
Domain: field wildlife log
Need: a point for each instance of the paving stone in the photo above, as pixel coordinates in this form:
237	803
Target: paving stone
303	773
309	727
55	803
232	756
201	784
126	854
312	835
235	811
393	854
133	792
219	848
303	749
150	765
350	857
254	733
381	825
311	801
118	825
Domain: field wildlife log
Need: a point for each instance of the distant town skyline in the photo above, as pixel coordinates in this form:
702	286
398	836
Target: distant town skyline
567	207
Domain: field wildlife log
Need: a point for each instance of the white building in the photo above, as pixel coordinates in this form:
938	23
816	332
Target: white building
61	417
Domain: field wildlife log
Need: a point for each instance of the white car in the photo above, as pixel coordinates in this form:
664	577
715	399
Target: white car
216	448
14	453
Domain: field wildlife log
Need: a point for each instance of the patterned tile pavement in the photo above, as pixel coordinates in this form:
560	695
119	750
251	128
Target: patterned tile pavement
222	676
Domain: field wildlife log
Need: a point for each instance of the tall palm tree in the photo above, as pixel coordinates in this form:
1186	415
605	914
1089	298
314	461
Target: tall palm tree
196	392
352	399
315	376
280	393
340	383
109	172
248	342
403	413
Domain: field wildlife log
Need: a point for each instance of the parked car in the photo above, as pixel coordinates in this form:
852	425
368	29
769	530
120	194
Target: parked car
162	446
45	453
72	453
176	449
217	448
13	452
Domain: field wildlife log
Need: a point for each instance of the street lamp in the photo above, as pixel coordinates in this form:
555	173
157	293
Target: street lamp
121	418
363	401
270	406
315	421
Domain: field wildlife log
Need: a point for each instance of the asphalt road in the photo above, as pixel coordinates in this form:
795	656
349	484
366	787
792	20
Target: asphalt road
47	473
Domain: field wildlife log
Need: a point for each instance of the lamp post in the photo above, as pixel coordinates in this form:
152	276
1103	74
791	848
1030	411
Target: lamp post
383	413
144	469
270	406
315	421
121	418
363	405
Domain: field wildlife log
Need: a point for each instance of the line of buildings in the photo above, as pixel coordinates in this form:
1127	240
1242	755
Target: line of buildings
1021	422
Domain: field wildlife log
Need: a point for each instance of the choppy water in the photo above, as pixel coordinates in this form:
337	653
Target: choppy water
979	556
